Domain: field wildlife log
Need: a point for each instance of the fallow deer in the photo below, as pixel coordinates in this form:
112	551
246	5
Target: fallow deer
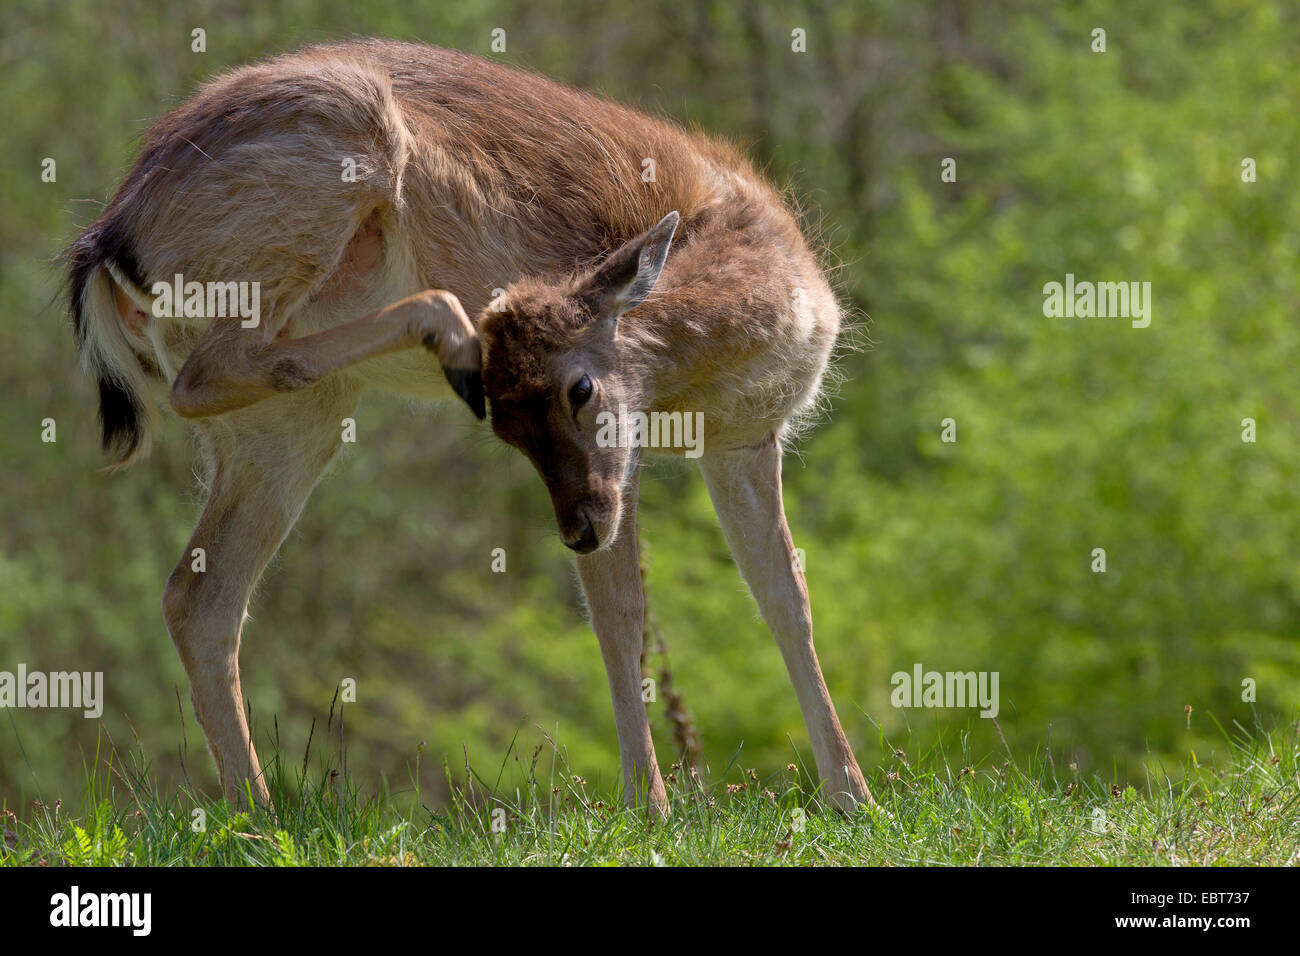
379	192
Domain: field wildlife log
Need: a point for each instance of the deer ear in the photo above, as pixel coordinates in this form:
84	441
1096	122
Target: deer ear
628	274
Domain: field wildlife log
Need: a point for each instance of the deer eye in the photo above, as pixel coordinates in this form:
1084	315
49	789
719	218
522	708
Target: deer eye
579	392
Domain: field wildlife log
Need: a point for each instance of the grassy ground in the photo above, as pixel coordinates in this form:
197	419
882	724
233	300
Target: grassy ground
944	807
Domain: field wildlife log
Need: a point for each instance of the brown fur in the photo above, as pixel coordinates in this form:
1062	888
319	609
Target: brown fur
471	178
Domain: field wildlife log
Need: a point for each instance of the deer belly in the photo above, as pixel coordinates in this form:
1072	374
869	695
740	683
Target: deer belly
414	373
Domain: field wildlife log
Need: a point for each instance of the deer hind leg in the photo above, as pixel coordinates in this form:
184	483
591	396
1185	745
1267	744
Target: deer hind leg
611	580
232	367
745	486
265	462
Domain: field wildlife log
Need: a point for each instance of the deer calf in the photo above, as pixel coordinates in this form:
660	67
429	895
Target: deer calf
376	194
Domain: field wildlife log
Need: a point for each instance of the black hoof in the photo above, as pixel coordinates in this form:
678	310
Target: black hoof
468	384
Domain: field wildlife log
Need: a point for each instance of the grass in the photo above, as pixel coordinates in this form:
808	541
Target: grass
945	808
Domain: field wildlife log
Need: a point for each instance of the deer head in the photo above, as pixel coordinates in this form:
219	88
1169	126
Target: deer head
553	363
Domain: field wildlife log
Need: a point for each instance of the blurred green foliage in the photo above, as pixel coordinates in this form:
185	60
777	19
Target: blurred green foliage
1073	434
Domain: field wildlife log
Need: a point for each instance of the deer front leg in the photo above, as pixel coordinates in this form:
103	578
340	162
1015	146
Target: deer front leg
611	580
745	486
230	368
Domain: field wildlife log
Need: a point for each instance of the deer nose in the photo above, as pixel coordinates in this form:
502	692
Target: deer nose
585	542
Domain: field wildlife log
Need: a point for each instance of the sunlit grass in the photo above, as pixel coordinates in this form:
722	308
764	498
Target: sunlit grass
944	806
